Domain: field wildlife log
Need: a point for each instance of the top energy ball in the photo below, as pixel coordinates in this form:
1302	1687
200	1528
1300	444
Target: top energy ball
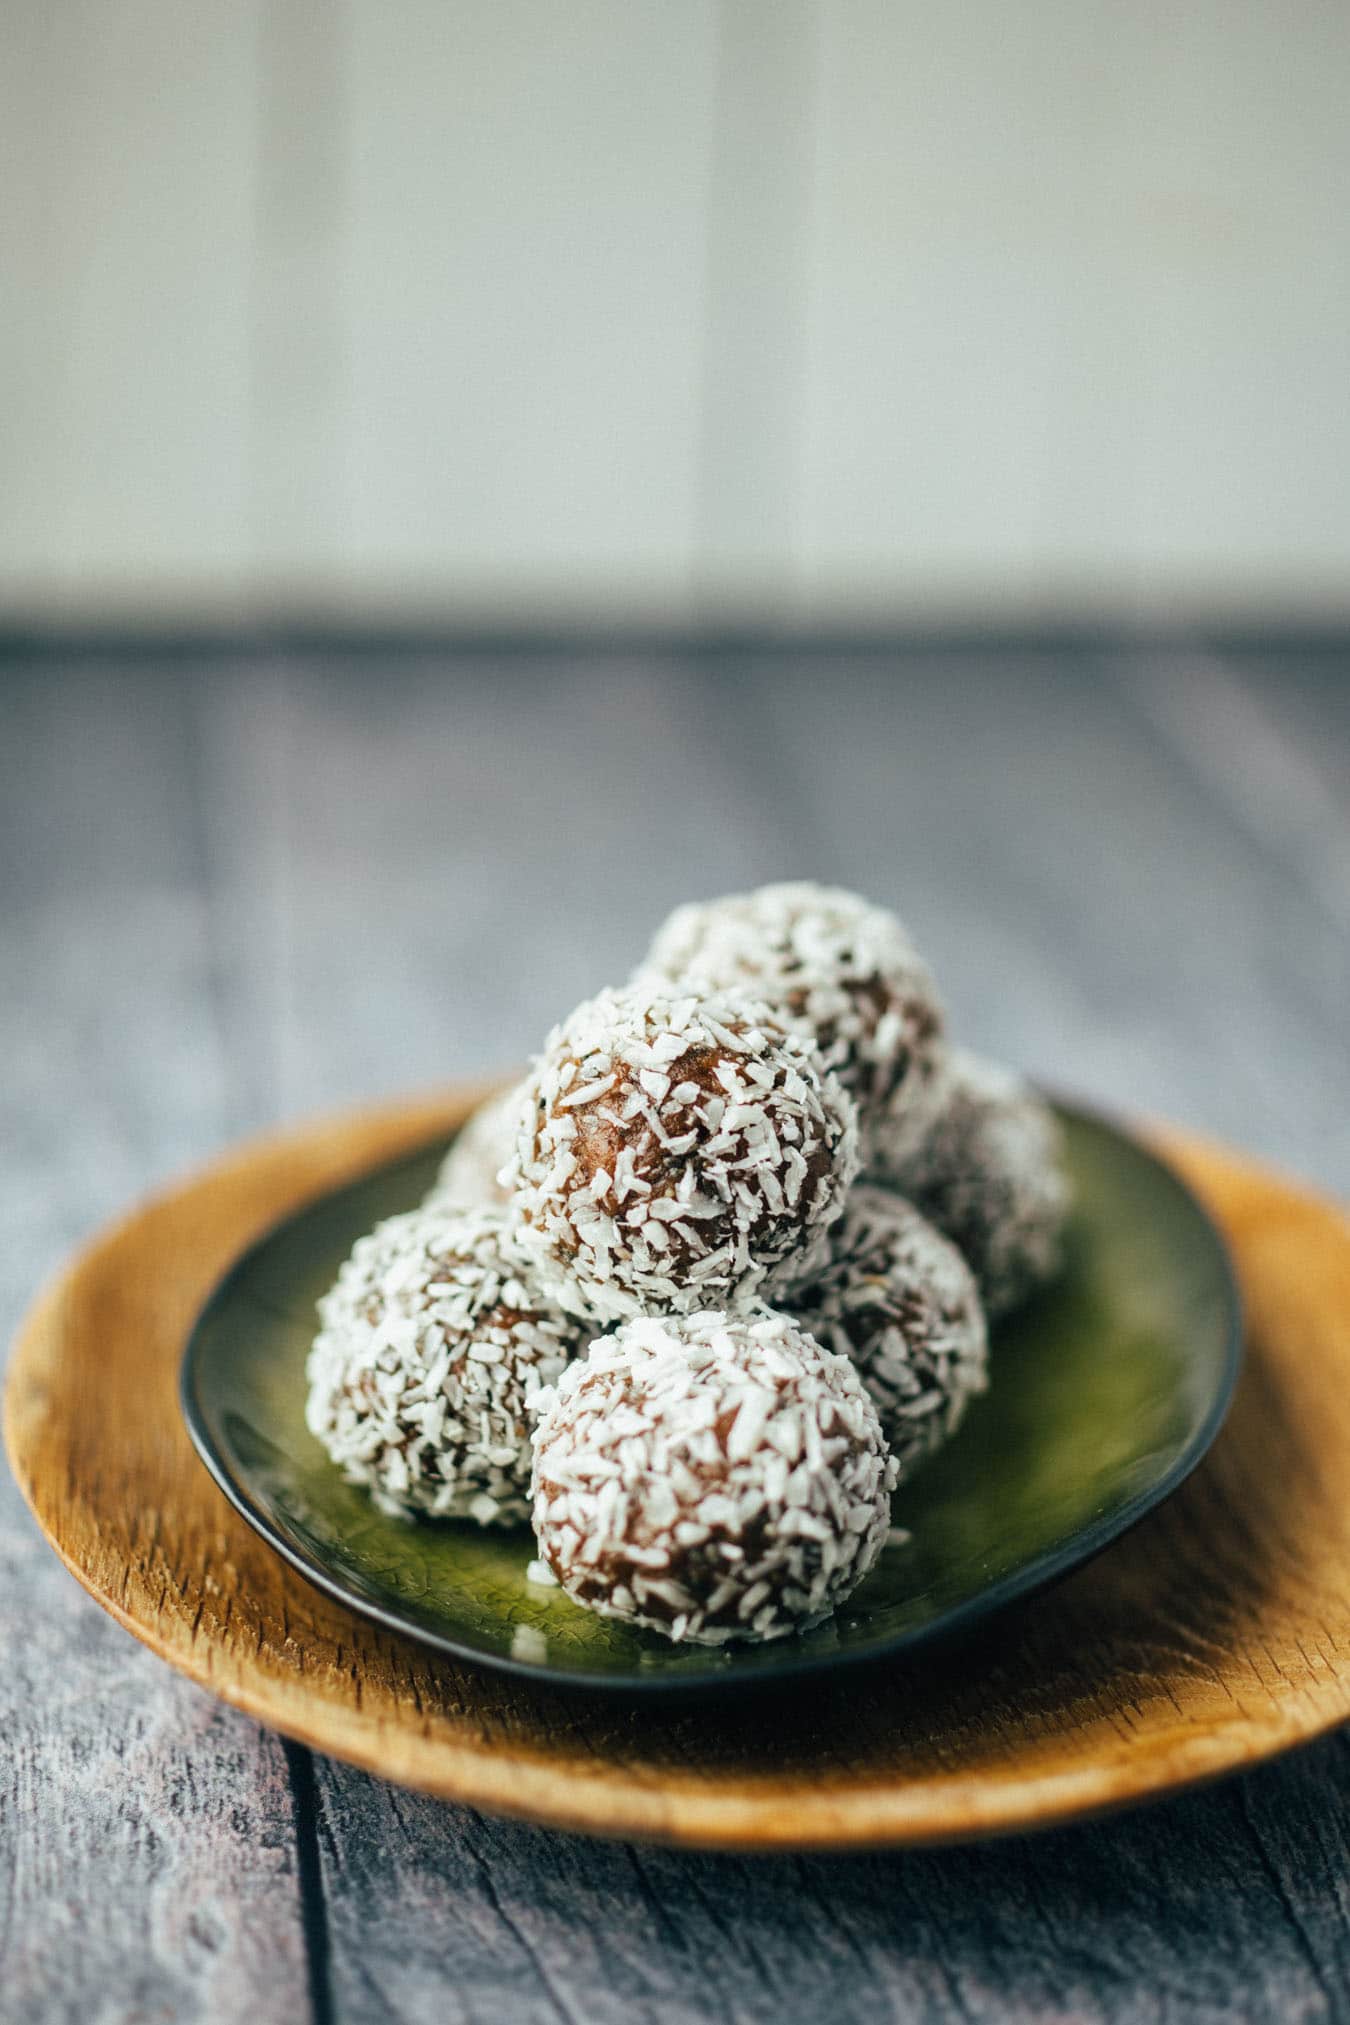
679	1153
836	968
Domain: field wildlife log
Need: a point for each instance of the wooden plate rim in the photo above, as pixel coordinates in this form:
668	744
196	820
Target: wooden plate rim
517	1780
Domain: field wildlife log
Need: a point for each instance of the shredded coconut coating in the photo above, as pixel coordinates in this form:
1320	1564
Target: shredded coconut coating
679	1153
898	1298
989	1174
840	969
470	1175
711	1477
431	1347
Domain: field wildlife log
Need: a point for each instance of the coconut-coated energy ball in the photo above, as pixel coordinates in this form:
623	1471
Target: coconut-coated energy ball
431	1347
678	1153
711	1477
990	1175
898	1298
470	1174
842	970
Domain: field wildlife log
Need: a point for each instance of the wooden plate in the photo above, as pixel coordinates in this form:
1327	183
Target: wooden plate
1214	1634
1106	1391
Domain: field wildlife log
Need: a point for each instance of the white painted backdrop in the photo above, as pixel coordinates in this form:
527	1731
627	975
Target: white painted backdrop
674	310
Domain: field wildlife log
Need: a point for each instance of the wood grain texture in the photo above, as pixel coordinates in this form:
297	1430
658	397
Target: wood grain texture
147	1847
1217	1905
1099	907
1217	1634
185	844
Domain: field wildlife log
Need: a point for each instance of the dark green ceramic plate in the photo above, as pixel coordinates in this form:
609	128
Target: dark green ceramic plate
1106	1391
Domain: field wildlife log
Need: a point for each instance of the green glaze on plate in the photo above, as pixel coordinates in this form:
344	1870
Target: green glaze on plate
1106	1390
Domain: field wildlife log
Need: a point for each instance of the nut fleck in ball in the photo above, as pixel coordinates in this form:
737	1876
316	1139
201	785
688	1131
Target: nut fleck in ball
842	970
679	1153
711	1477
898	1298
431	1347
989	1174
470	1175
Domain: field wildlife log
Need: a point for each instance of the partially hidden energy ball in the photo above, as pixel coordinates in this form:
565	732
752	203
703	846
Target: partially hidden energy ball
711	1477
842	970
989	1174
678	1153
898	1299
470	1174
430	1349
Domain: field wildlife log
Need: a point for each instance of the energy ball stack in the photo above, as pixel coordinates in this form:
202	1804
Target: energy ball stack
711	1477
575	1327
678	1152
430	1350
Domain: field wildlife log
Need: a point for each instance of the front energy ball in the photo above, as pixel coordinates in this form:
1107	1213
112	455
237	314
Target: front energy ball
431	1347
900	1301
989	1174
841	970
711	1478
678	1153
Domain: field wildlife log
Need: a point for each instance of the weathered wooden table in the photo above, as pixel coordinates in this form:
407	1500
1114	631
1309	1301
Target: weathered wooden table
238	887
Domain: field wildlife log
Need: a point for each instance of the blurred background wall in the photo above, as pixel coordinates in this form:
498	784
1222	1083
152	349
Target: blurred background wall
620	311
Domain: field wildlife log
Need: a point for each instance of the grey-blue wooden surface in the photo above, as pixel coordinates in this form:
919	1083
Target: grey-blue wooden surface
234	888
